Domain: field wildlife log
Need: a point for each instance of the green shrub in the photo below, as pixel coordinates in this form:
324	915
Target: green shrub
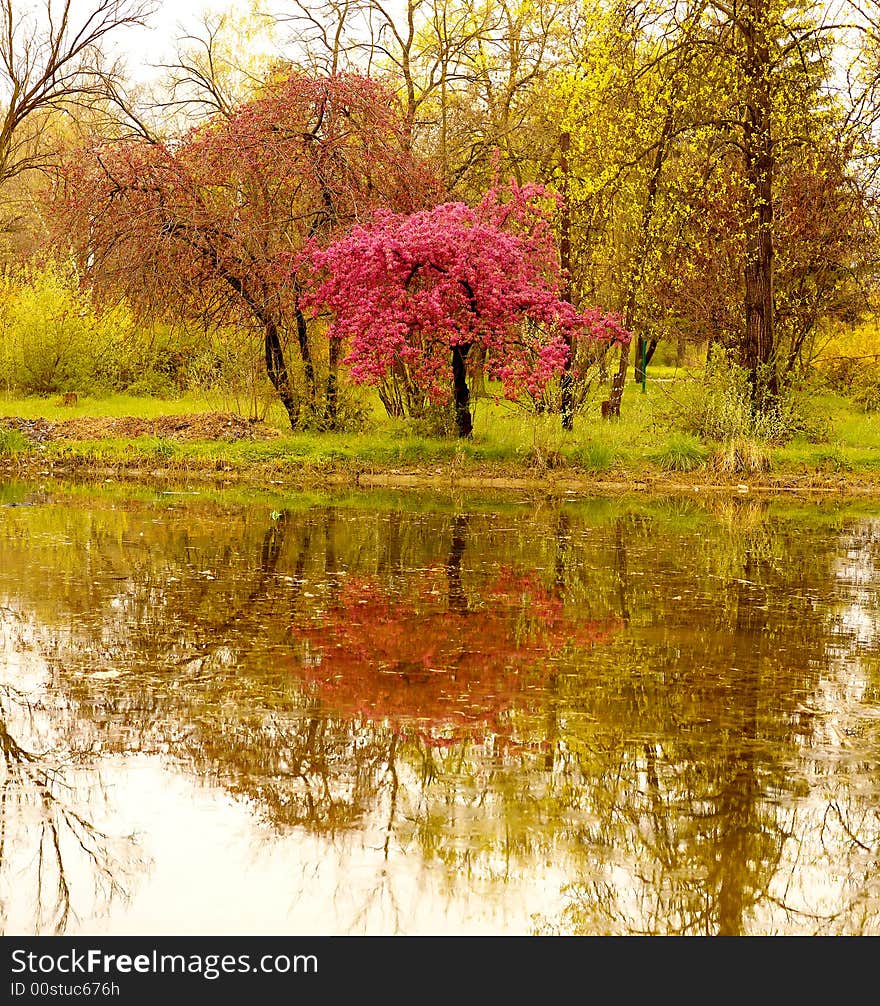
594	456
866	394
720	408
152	385
436	422
13	443
229	370
682	452
52	337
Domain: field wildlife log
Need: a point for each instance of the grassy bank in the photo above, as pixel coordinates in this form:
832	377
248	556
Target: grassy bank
648	446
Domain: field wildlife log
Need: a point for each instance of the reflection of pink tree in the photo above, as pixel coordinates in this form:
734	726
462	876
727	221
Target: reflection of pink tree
423	657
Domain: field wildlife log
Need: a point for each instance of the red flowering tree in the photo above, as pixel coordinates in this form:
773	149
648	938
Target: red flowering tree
212	223
414	293
421	657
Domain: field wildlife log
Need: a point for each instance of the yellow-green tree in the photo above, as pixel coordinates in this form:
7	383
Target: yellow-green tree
675	113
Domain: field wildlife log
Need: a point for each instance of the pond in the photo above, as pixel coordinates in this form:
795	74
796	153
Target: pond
259	713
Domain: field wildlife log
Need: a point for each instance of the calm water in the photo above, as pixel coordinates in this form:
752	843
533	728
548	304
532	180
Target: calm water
268	714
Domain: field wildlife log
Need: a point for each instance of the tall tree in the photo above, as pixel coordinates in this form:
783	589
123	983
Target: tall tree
216	221
633	98
415	294
54	65
664	101
52	55
469	72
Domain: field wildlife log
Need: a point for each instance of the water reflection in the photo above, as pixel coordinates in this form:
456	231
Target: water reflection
599	717
56	858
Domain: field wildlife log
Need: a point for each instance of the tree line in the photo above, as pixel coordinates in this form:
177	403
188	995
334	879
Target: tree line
508	191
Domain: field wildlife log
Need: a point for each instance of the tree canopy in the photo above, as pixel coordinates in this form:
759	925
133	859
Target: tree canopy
414	293
214	223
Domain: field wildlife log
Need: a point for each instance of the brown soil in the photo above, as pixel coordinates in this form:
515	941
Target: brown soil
196	426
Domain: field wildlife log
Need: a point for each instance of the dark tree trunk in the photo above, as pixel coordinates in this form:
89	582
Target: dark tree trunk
333	383
276	368
302	338
463	421
758	348
457	597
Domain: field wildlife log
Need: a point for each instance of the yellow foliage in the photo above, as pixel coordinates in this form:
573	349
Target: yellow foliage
848	354
52	336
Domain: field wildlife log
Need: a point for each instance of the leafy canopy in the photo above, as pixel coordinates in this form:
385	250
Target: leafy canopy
405	289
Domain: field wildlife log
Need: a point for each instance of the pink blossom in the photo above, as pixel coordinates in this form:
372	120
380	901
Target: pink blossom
408	287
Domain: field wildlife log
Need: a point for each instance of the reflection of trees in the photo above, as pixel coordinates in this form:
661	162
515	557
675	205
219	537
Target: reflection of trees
440	686
708	839
423	653
50	845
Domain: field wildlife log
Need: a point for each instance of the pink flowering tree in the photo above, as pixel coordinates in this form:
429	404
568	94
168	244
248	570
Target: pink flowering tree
206	227
412	294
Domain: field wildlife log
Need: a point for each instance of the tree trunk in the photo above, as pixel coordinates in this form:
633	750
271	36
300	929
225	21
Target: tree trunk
276	368
758	346
611	407
302	338
333	383
463	421
478	371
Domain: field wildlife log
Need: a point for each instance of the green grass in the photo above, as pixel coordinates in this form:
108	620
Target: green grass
52	407
681	452
594	456
13	443
647	440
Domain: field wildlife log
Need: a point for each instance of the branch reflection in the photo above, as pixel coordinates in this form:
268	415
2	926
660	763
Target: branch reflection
642	697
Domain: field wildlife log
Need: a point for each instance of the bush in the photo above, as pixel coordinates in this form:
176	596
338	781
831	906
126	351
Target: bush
55	338
157	360
721	409
867	394
682	452
849	359
52	337
437	422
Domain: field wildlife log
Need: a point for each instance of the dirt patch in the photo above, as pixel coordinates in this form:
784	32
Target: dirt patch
192	426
